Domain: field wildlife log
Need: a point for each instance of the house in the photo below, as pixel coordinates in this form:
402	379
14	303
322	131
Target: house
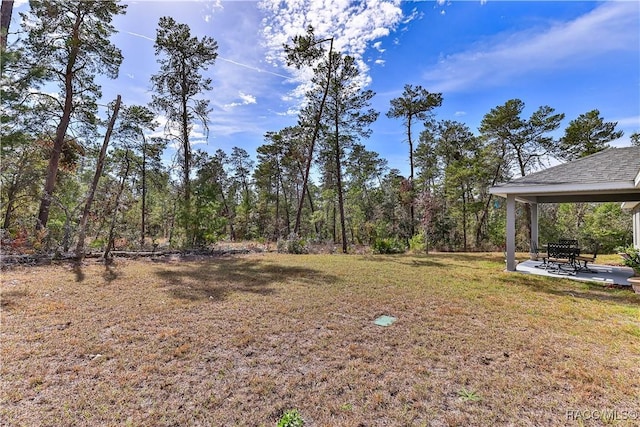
611	175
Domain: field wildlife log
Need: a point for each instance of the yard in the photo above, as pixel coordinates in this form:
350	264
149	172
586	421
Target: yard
239	340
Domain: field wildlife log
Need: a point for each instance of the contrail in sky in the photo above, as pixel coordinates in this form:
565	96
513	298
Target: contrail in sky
260	70
141	36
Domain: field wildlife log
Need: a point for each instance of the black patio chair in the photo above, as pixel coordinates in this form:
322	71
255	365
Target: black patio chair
535	255
583	260
571	242
561	258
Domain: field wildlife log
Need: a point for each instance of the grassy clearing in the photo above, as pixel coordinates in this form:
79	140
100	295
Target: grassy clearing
240	340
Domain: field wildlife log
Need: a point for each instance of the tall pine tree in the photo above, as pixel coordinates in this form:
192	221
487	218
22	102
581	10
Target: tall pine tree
68	41
182	57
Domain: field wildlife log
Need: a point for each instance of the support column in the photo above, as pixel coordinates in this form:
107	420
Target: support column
511	233
534	226
636	226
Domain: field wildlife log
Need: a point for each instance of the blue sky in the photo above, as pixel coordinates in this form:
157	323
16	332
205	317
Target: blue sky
573	56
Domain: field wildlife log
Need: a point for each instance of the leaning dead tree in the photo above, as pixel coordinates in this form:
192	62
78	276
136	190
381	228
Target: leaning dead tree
94	184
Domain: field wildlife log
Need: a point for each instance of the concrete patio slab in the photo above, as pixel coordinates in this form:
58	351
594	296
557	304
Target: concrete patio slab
605	274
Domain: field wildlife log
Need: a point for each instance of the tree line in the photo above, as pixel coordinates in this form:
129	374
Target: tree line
74	181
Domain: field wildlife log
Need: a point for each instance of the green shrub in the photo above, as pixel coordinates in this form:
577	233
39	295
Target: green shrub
98	244
293	245
417	243
631	257
389	245
291	418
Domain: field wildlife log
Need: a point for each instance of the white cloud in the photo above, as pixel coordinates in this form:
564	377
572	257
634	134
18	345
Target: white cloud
415	14
628	122
291	112
353	25
628	125
50	94
246	100
379	61
224	126
212	7
197	134
608	28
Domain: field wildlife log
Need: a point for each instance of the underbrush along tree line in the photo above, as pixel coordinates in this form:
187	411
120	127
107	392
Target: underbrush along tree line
316	178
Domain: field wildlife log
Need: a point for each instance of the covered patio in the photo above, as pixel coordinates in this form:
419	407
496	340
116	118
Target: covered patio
612	175
606	275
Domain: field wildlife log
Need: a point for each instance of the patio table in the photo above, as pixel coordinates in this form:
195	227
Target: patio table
562	254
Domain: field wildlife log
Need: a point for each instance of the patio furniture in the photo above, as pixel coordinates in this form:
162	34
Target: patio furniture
610	175
572	242
561	257
582	260
534	252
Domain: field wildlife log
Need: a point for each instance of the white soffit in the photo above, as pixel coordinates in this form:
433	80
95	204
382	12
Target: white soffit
595	188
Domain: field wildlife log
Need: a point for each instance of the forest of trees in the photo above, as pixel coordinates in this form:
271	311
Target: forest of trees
73	180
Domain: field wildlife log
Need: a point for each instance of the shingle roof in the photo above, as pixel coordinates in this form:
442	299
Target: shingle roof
611	175
610	165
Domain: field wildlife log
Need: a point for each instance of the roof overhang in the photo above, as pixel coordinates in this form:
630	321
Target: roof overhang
620	191
611	175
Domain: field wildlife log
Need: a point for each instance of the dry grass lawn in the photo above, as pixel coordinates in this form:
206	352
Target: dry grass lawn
239	340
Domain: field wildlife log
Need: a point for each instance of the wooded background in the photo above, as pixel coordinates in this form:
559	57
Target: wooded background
81	173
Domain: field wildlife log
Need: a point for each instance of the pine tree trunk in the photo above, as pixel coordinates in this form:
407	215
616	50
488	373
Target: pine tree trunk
464	220
11	193
5	20
144	195
186	147
316	131
114	219
61	131
339	183
94	184
276	230
412	213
